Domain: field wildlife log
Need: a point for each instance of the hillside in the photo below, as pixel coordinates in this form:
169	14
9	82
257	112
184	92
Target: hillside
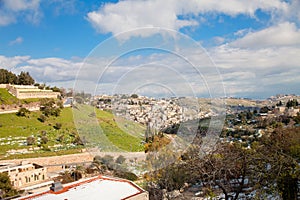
51	139
6	98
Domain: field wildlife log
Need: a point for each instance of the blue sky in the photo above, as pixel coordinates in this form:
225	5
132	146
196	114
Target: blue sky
254	44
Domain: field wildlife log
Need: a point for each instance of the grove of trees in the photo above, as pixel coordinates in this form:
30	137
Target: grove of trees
269	169
7	77
50	107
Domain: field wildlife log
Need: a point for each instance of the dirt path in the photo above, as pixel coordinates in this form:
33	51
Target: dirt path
16	110
75	158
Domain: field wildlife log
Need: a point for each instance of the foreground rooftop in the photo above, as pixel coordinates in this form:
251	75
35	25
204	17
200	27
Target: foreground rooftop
99	187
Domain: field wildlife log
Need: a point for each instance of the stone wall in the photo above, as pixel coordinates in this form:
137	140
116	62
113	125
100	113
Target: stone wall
29	91
40	94
3	85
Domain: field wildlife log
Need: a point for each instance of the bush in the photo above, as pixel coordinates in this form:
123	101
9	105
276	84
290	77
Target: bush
107	159
126	175
45	147
44	140
60	138
76	175
42	118
65	177
78	141
30	140
58	126
134	96
50	107
22	112
120	160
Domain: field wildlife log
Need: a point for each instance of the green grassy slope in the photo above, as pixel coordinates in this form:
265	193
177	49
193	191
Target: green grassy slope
14	130
102	130
7	98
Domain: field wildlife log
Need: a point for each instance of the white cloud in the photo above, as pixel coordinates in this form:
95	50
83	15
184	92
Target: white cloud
246	72
5	19
291	13
64	6
18	40
12	11
170	14
265	71
20	5
10	63
282	34
218	40
265	62
43	70
128	15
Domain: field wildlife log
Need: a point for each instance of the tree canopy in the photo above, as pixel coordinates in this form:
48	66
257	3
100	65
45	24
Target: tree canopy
7	77
6	189
269	168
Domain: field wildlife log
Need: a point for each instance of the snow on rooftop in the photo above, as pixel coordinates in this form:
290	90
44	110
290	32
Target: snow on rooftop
108	189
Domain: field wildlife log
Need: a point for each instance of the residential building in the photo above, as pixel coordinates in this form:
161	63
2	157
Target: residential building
24	174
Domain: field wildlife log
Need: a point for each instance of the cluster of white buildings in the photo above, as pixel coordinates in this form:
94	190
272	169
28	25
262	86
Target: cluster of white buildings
158	113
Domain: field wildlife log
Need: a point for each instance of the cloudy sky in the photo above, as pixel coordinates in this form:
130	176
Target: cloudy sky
242	48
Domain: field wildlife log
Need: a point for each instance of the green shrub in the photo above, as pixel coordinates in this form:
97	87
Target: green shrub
57	126
126	175
42	118
30	140
121	159
22	112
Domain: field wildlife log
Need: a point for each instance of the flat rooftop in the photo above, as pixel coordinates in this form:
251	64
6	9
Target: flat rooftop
99	187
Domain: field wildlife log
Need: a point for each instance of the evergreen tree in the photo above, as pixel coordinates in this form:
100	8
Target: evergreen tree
6	189
7	77
25	79
292	103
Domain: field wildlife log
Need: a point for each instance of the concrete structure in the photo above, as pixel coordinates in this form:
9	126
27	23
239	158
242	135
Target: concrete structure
24	174
99	187
30	91
3	85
